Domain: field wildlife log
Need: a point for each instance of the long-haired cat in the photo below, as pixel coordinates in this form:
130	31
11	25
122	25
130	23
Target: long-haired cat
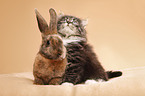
82	61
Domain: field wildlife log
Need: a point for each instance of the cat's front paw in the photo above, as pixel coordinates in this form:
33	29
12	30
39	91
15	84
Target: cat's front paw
67	84
92	81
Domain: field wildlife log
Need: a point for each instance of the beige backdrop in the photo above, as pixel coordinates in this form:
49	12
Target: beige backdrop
116	29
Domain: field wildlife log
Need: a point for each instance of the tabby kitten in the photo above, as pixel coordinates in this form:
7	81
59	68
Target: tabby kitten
82	61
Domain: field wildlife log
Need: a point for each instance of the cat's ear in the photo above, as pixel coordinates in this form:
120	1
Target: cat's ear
60	14
85	22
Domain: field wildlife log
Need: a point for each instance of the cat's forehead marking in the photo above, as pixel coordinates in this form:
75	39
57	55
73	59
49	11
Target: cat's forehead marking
69	18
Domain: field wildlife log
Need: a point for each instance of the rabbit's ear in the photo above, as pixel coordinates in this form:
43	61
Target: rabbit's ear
53	22
42	24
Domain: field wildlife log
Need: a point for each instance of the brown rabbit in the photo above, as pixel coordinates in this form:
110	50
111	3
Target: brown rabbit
50	62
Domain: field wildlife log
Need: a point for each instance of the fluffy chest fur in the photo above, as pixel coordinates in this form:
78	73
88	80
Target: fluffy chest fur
72	39
50	71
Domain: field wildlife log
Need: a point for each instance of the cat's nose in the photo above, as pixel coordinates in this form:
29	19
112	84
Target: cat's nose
67	24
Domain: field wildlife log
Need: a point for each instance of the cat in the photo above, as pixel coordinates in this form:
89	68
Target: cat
83	63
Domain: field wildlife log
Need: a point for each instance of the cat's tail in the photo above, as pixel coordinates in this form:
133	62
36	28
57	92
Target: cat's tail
112	74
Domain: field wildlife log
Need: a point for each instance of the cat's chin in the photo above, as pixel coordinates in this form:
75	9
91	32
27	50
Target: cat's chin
67	84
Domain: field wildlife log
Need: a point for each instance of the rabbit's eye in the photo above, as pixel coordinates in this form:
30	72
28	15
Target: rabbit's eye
48	42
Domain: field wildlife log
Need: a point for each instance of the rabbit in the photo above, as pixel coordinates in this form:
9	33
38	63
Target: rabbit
50	62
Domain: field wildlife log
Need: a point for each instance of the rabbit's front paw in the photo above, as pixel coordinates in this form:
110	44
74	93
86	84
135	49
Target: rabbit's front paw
38	82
